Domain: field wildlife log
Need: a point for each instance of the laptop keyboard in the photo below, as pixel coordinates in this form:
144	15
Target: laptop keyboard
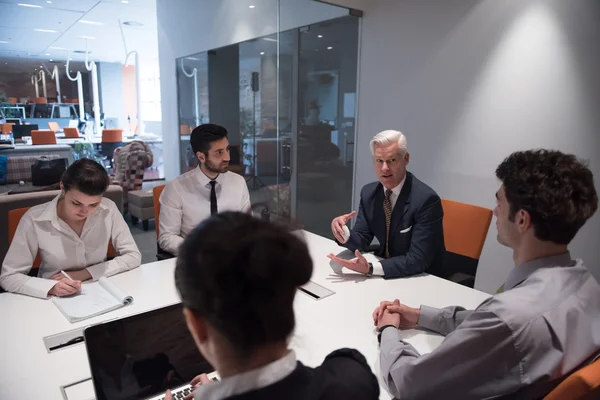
180	393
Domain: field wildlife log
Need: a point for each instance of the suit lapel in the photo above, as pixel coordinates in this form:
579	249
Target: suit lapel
379	214
402	205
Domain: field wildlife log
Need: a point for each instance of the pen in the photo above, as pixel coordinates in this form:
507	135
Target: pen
71	279
68	277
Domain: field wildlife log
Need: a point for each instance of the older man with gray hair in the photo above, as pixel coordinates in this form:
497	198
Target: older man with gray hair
403	213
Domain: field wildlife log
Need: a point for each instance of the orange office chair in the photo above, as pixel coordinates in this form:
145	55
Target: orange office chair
14	217
583	384
53	126
13	100
7	128
156	191
465	229
111	139
43	137
39	100
72	133
185	129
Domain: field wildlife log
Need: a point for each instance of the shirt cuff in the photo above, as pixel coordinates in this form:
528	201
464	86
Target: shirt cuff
428	317
390	335
378	269
39	287
99	270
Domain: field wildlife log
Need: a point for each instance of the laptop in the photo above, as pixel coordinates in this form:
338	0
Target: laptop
141	356
23	130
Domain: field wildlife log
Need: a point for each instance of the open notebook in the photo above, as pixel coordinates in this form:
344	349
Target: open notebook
95	299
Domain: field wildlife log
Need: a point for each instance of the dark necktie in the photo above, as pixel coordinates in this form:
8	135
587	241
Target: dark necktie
387	208
213	198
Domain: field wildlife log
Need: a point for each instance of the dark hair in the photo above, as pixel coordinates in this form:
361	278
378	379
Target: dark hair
241	274
87	176
556	189
202	136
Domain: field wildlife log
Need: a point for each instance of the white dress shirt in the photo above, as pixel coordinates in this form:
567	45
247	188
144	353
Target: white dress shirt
377	267
252	380
185	202
61	249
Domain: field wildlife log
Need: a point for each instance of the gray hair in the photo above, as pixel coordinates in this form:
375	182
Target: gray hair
387	137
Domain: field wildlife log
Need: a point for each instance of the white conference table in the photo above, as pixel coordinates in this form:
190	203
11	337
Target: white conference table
340	320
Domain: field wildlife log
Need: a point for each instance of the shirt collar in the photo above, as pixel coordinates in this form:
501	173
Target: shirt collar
398	188
248	381
205	180
523	271
49	213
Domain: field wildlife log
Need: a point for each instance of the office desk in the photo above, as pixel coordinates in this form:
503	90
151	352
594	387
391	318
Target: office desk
340	320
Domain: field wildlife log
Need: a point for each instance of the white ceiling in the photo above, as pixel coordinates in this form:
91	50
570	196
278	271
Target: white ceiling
22	45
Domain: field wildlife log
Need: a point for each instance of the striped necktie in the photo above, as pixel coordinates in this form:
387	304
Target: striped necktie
387	208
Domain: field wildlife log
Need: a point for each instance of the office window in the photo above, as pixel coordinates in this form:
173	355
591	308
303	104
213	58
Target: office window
150	91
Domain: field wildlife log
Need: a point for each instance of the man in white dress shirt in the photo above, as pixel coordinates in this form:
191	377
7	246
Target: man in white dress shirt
208	189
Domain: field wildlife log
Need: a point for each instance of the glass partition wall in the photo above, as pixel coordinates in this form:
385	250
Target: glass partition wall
288	102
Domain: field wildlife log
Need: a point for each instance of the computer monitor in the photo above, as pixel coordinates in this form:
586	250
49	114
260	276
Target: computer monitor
147	353
23	130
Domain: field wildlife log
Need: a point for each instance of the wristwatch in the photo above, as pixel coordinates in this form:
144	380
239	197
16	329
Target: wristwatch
370	273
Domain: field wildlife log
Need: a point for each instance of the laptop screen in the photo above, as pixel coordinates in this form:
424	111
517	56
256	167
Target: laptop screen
23	130
143	355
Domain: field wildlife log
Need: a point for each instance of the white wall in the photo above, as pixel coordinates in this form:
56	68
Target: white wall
471	81
191	26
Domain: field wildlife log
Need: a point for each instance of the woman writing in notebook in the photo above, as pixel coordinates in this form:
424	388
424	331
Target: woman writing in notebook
71	233
237	277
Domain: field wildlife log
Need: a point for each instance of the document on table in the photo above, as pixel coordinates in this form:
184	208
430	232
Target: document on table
95	299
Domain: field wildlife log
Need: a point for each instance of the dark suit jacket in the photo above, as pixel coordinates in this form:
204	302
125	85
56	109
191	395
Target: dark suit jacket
344	375
416	234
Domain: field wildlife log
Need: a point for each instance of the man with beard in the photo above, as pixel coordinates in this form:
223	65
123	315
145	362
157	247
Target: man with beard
206	190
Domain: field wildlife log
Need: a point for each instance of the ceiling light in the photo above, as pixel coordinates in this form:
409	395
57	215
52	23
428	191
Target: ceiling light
50	59
57	48
193	58
88	37
319	36
83	21
45	30
41	66
29	5
262	53
329	48
125	1
251	6
48	1
70	58
3	41
48	54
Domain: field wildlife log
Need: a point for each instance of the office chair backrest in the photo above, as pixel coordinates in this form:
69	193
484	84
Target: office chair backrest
43	137
72	133
465	229
53	126
7	128
583	384
39	100
13	100
156	191
112	135
14	217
